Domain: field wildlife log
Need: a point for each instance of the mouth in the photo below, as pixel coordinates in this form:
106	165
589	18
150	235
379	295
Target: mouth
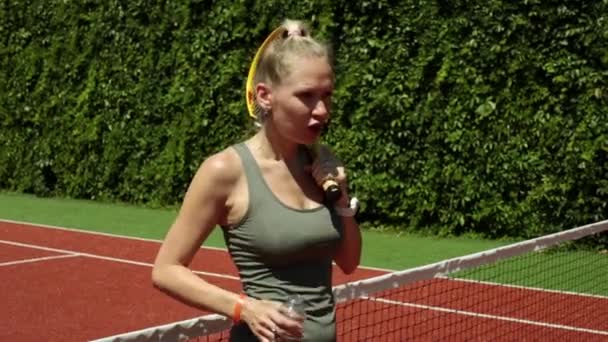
315	128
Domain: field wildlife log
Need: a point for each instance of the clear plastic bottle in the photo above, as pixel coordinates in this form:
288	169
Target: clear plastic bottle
294	307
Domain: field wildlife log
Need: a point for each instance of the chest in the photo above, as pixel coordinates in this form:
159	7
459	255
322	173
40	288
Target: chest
274	232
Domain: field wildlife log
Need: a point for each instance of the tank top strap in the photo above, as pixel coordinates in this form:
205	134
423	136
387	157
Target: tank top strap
255	181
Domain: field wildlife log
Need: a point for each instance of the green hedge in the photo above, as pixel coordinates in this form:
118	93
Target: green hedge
454	117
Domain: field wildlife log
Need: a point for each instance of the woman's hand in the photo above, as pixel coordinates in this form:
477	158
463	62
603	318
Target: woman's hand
267	320
326	166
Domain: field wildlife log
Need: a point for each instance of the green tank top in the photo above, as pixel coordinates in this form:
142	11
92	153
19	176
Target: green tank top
281	251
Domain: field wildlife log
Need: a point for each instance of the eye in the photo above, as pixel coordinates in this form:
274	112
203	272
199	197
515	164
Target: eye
305	94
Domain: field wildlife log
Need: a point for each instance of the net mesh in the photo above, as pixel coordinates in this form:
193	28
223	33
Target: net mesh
541	289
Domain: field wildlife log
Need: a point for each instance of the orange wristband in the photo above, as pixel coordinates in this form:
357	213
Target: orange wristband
238	306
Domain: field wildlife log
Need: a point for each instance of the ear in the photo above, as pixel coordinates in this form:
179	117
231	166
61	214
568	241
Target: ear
263	94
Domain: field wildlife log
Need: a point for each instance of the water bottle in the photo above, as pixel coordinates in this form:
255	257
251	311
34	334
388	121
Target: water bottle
294	308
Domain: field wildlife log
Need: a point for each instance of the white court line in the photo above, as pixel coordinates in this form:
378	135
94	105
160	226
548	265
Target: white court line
26	261
528	288
453	311
90	232
78	230
480	315
101	257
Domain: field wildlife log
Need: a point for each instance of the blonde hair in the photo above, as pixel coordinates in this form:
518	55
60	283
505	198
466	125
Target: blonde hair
276	61
295	41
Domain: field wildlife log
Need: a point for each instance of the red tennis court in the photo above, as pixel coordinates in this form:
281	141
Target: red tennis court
68	285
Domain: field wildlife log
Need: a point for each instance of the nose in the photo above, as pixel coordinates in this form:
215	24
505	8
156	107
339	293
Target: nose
321	111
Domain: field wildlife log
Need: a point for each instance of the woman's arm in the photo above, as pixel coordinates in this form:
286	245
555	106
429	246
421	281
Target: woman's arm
203	207
324	166
348	253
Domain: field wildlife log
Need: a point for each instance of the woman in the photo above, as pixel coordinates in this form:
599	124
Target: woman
264	192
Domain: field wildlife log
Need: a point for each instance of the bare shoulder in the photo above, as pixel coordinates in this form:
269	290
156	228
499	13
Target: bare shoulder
221	169
225	165
203	206
206	200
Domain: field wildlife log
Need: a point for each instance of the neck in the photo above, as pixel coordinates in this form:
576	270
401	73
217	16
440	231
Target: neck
270	145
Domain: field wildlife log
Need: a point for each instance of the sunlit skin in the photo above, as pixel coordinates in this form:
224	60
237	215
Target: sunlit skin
298	108
300	104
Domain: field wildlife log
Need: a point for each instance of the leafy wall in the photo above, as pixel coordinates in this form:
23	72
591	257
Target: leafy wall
453	117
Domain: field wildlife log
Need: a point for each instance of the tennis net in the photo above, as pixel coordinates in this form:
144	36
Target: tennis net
546	288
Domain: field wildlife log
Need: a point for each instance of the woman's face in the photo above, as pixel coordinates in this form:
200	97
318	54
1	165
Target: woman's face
300	105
